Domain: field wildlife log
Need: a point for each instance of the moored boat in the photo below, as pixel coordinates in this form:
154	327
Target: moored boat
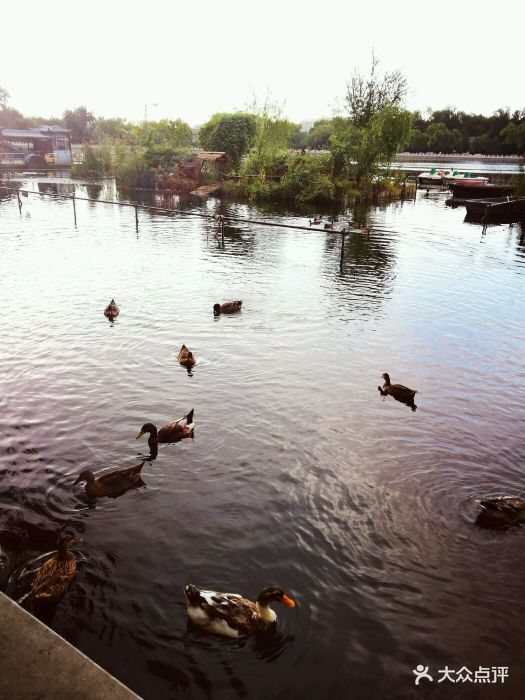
485	191
496	210
464	178
432	177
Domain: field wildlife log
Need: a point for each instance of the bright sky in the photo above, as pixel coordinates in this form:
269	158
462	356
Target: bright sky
192	59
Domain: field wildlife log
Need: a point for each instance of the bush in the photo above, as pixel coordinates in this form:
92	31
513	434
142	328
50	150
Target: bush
133	170
96	162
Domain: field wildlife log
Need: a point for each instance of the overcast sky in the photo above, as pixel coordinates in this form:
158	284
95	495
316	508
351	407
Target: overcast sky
195	58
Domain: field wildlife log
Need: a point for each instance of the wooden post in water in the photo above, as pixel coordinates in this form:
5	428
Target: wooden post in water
342	250
19	201
136	217
74	208
222	230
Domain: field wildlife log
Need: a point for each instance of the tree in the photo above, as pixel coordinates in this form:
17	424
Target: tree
4	98
367	95
79	121
114	129
361	149
232	133
443	140
319	135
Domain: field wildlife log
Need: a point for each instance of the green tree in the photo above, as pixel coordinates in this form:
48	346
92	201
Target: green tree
319	135
513	137
113	129
79	121
361	149
232	133
443	140
418	141
368	94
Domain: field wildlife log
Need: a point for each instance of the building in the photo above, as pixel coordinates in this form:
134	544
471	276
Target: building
48	144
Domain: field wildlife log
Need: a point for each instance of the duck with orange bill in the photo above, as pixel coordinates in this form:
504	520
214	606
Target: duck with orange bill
232	615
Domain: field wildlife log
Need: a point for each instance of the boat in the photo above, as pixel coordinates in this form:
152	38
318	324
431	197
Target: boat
485	191
498	210
465	178
432	177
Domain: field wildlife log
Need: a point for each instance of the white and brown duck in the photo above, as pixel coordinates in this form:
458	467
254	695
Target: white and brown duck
232	615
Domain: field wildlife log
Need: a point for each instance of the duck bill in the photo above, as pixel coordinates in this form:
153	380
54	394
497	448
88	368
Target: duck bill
288	601
139	435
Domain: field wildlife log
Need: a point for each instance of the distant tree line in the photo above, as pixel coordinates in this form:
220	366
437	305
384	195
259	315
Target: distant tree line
448	131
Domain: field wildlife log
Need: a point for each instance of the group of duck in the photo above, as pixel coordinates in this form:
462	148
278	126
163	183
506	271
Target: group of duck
226	614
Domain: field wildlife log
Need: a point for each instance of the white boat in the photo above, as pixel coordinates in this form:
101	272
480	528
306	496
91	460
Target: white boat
432	177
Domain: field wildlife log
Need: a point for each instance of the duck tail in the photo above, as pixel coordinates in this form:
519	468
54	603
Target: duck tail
138	468
189	417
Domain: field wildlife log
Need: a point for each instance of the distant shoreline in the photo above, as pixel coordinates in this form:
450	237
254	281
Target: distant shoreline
453	157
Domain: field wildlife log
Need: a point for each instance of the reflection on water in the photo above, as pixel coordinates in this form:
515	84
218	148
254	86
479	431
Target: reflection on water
299	475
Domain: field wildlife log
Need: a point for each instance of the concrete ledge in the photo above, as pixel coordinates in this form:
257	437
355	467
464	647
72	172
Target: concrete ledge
37	664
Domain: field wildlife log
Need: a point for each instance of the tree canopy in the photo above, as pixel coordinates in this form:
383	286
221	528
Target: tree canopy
232	133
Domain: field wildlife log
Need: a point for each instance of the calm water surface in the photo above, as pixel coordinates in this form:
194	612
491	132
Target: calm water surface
299	473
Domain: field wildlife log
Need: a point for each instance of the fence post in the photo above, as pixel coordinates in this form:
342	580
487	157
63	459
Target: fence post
19	201
222	230
136	217
342	250
74	208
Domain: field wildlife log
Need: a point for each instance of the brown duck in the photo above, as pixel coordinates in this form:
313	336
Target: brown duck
505	510
229	307
186	357
398	391
111	310
55	575
173	432
231	615
114	483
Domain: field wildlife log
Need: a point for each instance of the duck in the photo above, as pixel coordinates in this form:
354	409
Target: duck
328	227
186	357
229	307
398	391
232	615
172	432
55	574
315	221
113	483
111	310
508	510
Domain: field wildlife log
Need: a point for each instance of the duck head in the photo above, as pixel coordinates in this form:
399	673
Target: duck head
148	428
386	377
65	541
85	475
271	594
216	309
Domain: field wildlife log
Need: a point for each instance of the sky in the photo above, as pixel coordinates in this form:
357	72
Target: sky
189	60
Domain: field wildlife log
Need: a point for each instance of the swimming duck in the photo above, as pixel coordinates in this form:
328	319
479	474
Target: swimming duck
228	307
172	432
509	510
54	576
231	615
398	391
315	221
111	310
186	357
113	483
328	227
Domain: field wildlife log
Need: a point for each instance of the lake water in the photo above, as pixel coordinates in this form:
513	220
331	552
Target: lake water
300	473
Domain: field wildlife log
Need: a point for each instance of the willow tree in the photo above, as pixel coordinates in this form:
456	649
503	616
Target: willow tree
374	125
